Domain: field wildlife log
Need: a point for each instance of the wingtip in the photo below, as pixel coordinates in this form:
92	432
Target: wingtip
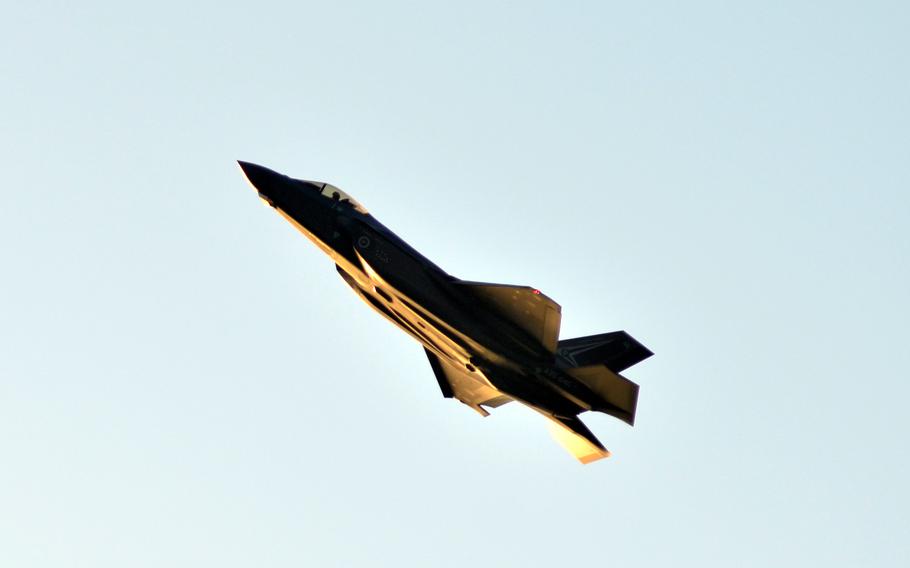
591	458
575	437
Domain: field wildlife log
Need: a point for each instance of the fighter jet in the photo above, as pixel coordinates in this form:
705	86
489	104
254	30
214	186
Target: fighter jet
488	344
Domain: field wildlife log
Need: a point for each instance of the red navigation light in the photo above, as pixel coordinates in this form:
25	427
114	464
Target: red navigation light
536	291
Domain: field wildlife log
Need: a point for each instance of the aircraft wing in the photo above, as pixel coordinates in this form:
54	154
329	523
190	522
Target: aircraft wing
455	382
527	307
575	437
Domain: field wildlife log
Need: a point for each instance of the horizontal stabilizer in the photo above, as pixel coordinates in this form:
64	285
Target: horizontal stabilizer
617	350
575	437
534	312
618	394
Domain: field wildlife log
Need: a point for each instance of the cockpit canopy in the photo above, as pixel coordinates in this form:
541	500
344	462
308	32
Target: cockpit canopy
329	191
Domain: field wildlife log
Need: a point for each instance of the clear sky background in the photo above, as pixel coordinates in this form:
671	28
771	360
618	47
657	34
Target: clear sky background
185	381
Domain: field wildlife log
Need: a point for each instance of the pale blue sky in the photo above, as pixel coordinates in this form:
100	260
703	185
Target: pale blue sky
185	381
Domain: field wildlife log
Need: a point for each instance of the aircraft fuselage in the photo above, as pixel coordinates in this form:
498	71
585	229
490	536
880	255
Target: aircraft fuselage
487	343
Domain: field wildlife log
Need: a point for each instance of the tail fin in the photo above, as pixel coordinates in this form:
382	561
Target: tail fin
617	350
618	394
577	439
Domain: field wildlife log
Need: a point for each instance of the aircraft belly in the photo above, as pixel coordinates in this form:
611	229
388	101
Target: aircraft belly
423	316
423	327
495	373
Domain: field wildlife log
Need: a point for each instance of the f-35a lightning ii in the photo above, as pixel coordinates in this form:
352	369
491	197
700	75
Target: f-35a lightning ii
488	344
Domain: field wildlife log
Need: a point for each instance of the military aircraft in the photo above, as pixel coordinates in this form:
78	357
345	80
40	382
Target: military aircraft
488	344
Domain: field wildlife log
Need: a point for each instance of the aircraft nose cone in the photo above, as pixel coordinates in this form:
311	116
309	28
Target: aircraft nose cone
269	184
259	177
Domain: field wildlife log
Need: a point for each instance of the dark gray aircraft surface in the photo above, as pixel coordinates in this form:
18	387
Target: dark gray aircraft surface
488	344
